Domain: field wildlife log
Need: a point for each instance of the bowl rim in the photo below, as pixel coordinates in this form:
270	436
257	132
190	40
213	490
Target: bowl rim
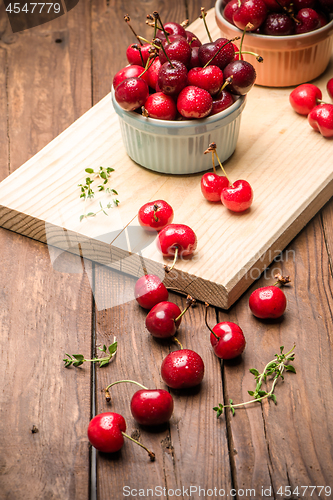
239	101
315	33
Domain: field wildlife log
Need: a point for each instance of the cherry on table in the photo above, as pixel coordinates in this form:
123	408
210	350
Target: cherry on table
176	240
304	98
155	215
226	338
269	301
321	119
106	432
148	406
164	318
238	196
182	369
149	291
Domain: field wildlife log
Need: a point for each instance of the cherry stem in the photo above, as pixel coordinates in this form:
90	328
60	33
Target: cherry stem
148	64
225	173
157	17
213	161
209	328
212	148
257	56
168	269
164	51
281	280
225	84
150	453
190	301
156	208
127	20
248	26
176	341
107	393
203	17
219	50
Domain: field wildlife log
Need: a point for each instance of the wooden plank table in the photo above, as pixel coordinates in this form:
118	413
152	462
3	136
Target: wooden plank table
54	303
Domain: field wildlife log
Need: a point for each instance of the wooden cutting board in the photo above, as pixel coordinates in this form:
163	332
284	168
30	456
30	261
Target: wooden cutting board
288	164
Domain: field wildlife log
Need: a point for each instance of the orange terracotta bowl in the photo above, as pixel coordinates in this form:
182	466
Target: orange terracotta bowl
288	60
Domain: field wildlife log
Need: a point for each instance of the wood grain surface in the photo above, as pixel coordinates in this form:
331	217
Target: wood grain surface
55	302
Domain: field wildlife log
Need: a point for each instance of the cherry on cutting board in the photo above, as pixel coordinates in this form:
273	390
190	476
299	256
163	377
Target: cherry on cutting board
149	291
176	240
182	369
227	338
321	119
163	320
238	196
269	302
304	98
211	183
148	406
106	432
155	215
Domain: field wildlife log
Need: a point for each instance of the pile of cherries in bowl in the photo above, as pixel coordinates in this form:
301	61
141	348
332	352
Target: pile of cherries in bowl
278	17
174	76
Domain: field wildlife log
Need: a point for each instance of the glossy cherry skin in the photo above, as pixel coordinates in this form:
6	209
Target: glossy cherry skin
250	11
152	73
105	432
237	197
161	106
304	98
131	93
212	185
182	369
231	341
149	291
128	72
172	78
177	236
243	76
222	101
329	87
133	54
155	215
268	302
177	50
192	39
209	78
321	119
309	21
278	24
194	102
152	406
175	29
209	50
230	10
160	321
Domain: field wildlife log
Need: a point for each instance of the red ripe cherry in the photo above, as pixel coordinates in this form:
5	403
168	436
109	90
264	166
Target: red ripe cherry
238	196
194	62
105	432
160	106
182	369
250	11
222	101
309	21
149	291
163	320
243	76
175	29
209	78
155	215
278	24
133	54
330	88
194	102
230	10
212	185
129	72
152	73
321	119
268	302
219	53
152	406
177	50
172	77
192	39
304	98
304	4
177	237
131	93
227	340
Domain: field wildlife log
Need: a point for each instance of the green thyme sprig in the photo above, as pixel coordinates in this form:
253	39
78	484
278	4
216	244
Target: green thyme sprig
78	359
102	177
275	369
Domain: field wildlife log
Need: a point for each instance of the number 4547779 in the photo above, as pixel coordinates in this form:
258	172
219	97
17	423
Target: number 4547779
37	8
305	491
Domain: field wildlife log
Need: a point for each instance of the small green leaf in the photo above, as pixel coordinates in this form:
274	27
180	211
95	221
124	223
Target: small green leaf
114	191
82	217
91	214
281	348
89	170
78	363
104	362
251	393
113	348
262	393
254	372
219	410
232	410
79	357
290	368
102	174
273	397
